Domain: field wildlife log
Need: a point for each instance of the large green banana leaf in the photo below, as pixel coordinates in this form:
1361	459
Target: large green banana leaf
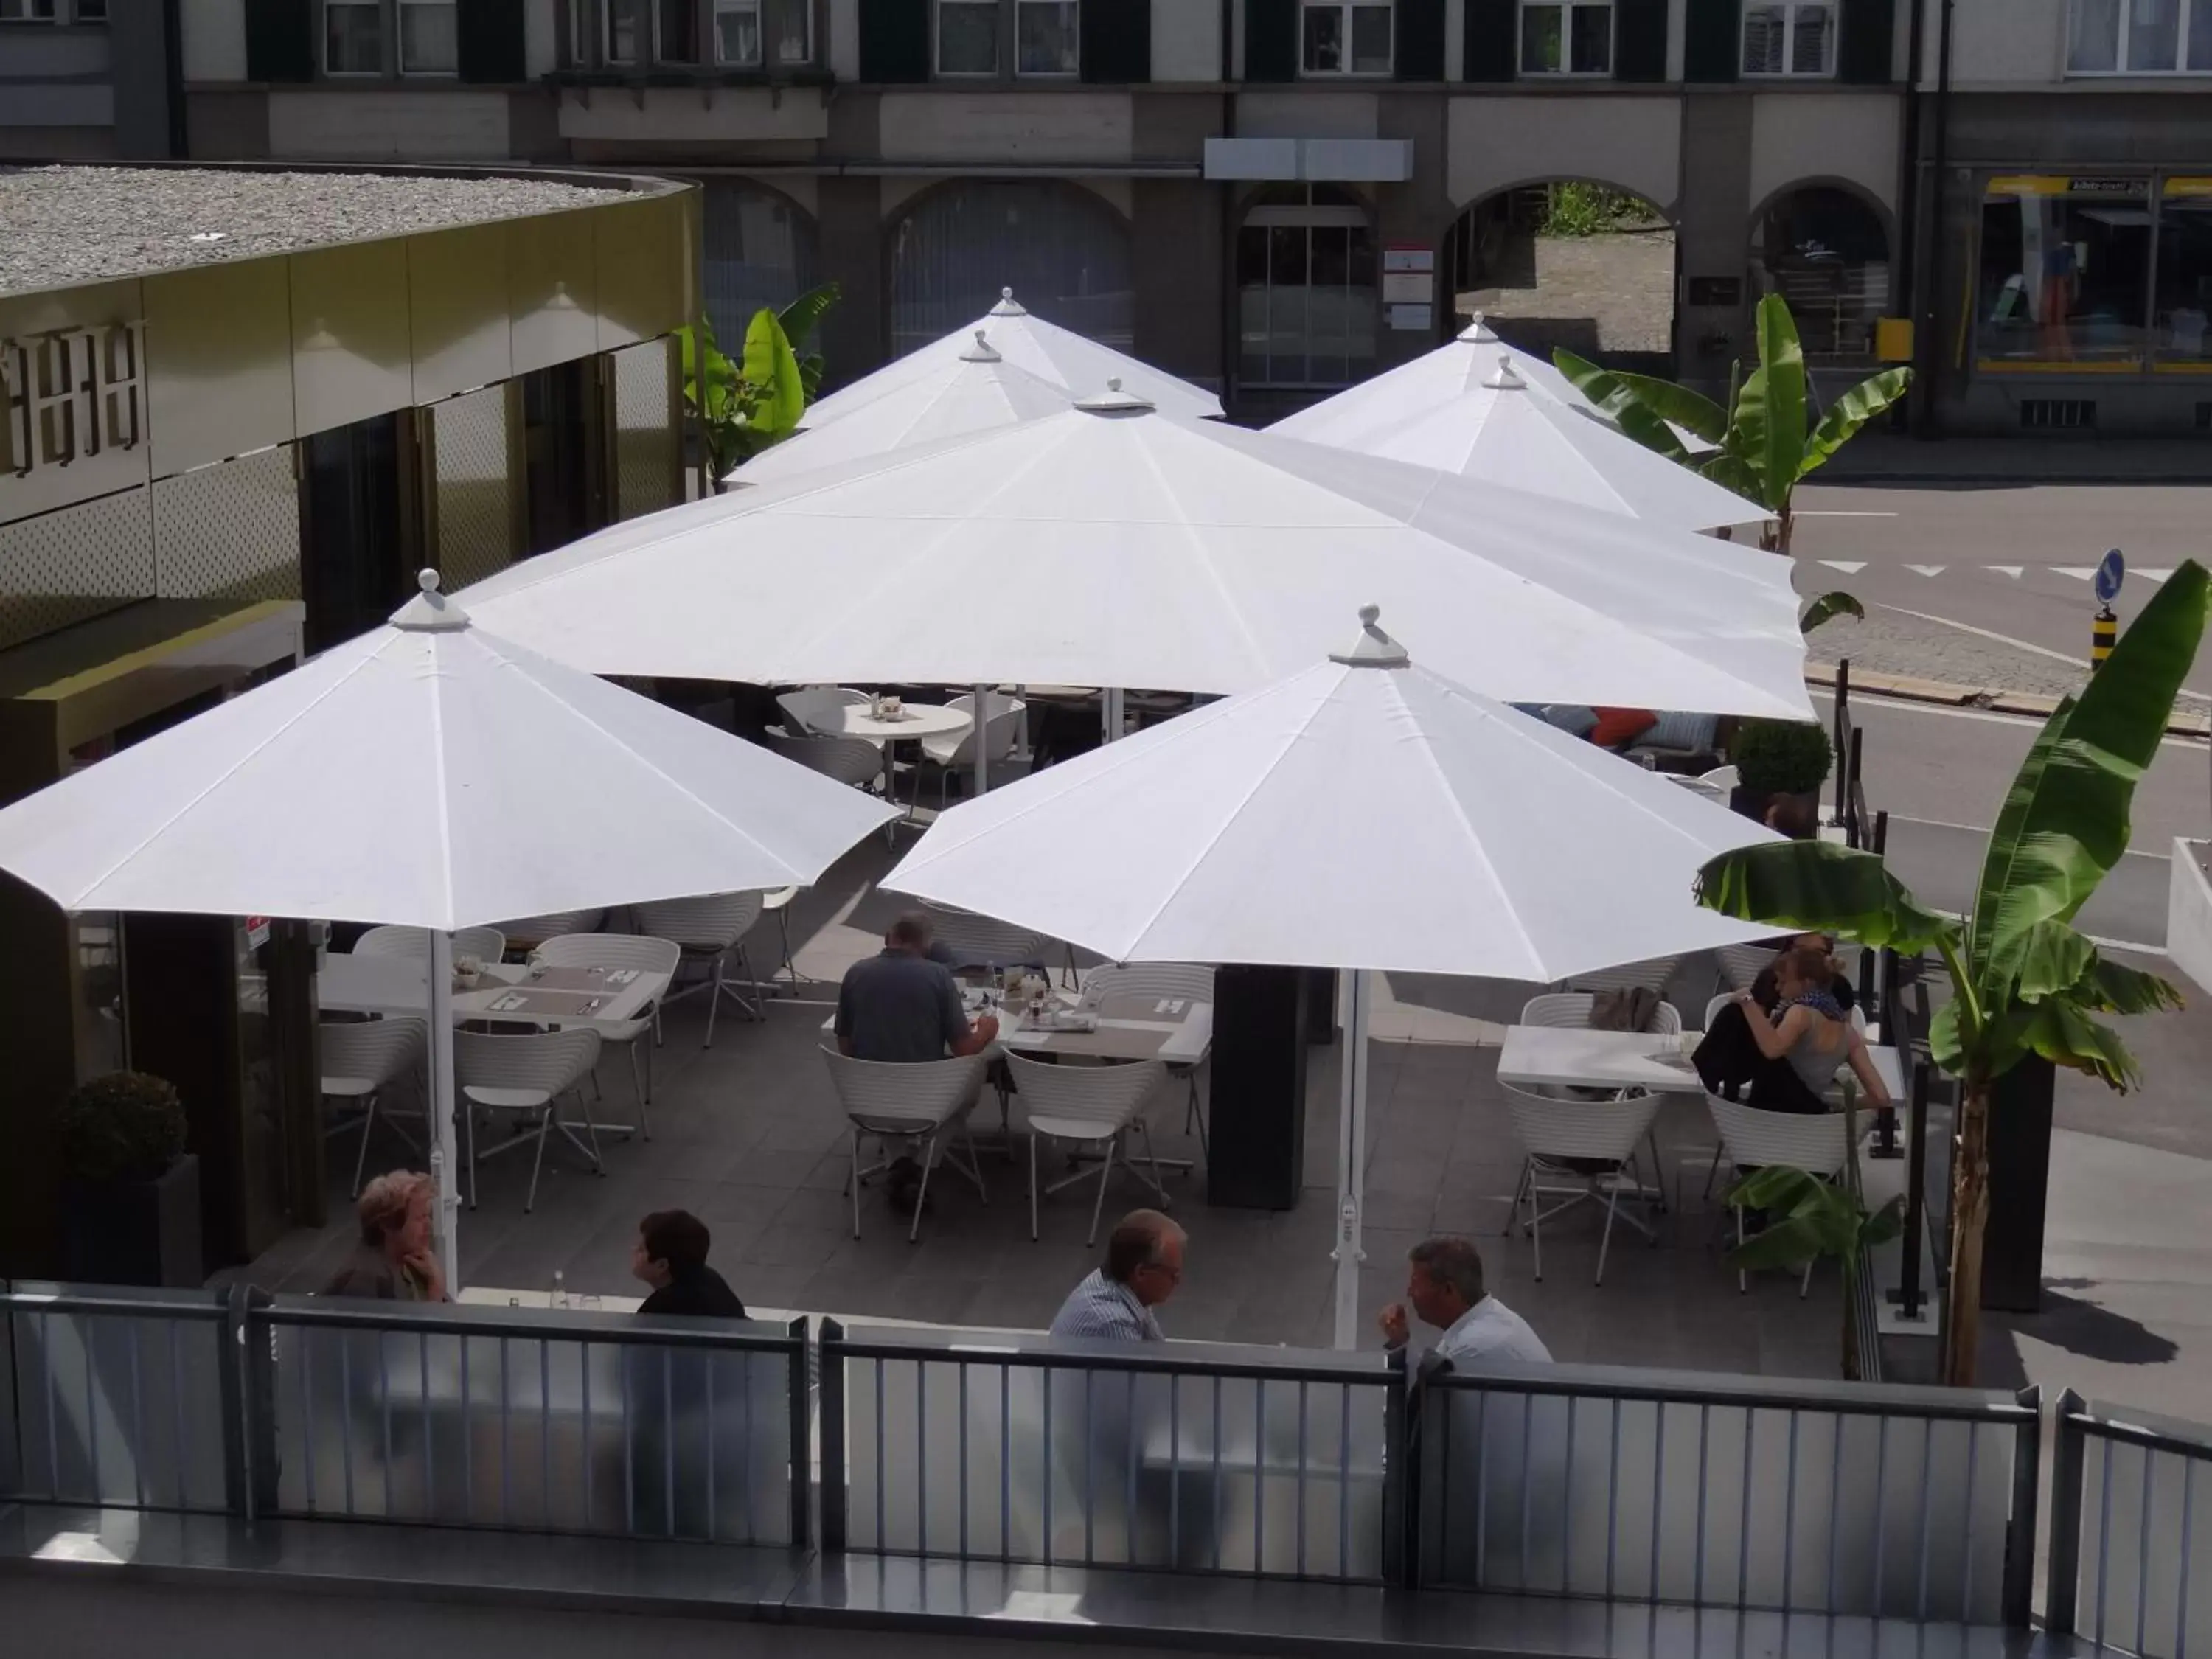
2065	823
798	318
1868	398
1808	885
1621	403
1769	429
772	371
1828	605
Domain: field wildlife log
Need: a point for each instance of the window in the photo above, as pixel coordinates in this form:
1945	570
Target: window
429	40
1047	40
966	37
1824	250
1307	290
626	29
2181	304
353	37
2065	270
759	250
90	11
1795	38
1566	37
2141	37
1065	253
30	11
1345	37
737	32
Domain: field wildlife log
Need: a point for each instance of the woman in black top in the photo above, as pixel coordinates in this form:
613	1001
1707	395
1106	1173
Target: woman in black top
671	1256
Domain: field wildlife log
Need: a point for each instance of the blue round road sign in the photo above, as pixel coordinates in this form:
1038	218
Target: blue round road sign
2110	574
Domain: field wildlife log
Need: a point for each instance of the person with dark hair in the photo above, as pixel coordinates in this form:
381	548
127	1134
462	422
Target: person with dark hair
1444	1285
1730	1059
1801	1045
671	1256
395	1260
902	1006
1143	1265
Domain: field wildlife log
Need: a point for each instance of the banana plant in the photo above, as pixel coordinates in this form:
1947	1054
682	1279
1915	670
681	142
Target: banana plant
1764	441
1828	605
746	404
2023	980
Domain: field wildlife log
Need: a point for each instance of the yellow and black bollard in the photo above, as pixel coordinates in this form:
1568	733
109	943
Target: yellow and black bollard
2103	629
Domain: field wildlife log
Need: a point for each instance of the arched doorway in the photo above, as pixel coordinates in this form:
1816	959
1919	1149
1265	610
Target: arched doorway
1307	291
759	250
1567	262
1063	251
1826	251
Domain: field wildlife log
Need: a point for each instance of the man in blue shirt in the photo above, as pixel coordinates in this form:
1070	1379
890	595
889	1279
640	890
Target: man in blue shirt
1143	1265
901	1008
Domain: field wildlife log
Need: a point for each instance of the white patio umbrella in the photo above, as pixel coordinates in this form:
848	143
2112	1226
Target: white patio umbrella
1364	814
1114	545
1477	407
1057	356
981	390
431	774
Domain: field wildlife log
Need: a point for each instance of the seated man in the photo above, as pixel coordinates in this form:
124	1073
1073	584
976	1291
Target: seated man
671	1256
1444	1284
902	1007
1143	1265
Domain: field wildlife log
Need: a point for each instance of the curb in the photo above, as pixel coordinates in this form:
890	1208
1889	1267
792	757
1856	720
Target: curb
1906	689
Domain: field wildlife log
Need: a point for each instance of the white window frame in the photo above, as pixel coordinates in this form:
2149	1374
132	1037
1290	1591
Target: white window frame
646	25
1075	74
387	46
1345	72
46	12
1826	72
1567	9
937	42
722	9
398	52
2124	19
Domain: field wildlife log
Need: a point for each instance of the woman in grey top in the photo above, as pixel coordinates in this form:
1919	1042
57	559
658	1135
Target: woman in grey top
1808	1038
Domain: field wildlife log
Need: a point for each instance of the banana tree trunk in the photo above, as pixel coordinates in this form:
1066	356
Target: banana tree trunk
1970	1215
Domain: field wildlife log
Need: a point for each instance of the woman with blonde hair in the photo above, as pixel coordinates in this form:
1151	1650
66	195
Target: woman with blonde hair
395	1259
1807	1037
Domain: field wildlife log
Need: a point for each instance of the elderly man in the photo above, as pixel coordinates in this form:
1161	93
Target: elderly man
1143	1265
395	1260
1444	1285
900	1006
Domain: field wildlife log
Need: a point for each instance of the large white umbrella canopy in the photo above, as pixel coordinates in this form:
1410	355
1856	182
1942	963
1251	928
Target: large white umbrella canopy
1477	407
1364	814
982	391
1058	356
1114	545
429	774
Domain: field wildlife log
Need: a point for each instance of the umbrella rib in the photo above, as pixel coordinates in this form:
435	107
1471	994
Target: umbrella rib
1205	560
1474	841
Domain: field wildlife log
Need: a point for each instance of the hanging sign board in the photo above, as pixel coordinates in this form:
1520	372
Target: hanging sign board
1405	319
1409	256
1406	288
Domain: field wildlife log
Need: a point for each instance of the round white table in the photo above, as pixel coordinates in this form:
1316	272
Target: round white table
914	721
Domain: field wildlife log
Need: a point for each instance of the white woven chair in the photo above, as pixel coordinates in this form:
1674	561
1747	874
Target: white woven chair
1742	964
974	941
1655	973
848	760
777	903
1570	1011
709	930
1590	1143
1813	1142
526	932
1192	981
1094	1105
526	1074
919	1103
357	1059
1712	1012
813	709
951	753
485	943
1726	779
650	956
1714	793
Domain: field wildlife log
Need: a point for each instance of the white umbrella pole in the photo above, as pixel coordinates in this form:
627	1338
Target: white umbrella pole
1109	715
1352	1162
983	709
445	1155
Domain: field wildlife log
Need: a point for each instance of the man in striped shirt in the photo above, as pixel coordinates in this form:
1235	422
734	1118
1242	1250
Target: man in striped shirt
1143	1265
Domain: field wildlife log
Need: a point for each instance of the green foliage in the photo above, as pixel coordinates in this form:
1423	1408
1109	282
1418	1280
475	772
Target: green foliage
1782	758
127	1126
1574	208
1808	1218
743	405
1827	606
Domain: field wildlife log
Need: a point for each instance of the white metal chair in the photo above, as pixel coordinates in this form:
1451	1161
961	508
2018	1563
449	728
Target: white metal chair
526	1074
486	945
357	1059
1590	1143
1726	779
813	709
856	760
1192	981
918	1103
526	932
1816	1143
1654	973
650	956
1096	1105
1000	727
974	941
778	904
709	930
1570	1011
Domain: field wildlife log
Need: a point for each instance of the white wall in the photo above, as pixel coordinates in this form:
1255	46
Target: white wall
2188	913
541	37
1635	143
941	126
1308	114
1999	43
400	125
1186	40
1826	135
214	39
674	116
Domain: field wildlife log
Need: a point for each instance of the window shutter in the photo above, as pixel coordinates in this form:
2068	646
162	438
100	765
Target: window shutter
1713	46
491	41
280	40
1419	47
1492	40
1271	40
1639	39
1117	40
1866	42
895	40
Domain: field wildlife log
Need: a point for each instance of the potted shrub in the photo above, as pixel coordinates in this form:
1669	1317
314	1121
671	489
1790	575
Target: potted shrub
1781	759
131	1197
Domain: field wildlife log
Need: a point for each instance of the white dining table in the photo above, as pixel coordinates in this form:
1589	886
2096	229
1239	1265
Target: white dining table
400	985
1572	1057
913	721
1179	1035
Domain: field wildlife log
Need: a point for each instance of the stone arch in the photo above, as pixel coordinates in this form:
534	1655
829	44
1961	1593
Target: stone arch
1828	246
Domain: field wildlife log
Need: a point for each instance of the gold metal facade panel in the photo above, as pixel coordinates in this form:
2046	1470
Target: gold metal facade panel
351	354
476	480
553	287
648	456
219	348
230	531
30	321
63	566
458	298
647	252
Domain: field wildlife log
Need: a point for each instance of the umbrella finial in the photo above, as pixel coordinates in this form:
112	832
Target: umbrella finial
1478	330
1375	648
430	611
1505	377
982	352
1008	305
1114	401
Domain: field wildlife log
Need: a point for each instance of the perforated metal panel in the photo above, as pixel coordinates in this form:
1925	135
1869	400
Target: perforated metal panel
61	566
473	455
230	532
648	461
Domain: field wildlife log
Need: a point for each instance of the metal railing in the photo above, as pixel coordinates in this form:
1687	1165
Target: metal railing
2124	1547
1722	1491
1239	1460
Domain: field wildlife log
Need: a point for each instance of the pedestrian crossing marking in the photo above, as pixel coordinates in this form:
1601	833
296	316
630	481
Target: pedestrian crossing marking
1926	569
1849	567
2011	570
2080	572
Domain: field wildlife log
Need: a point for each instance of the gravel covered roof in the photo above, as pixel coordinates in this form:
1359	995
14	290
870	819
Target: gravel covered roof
61	226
